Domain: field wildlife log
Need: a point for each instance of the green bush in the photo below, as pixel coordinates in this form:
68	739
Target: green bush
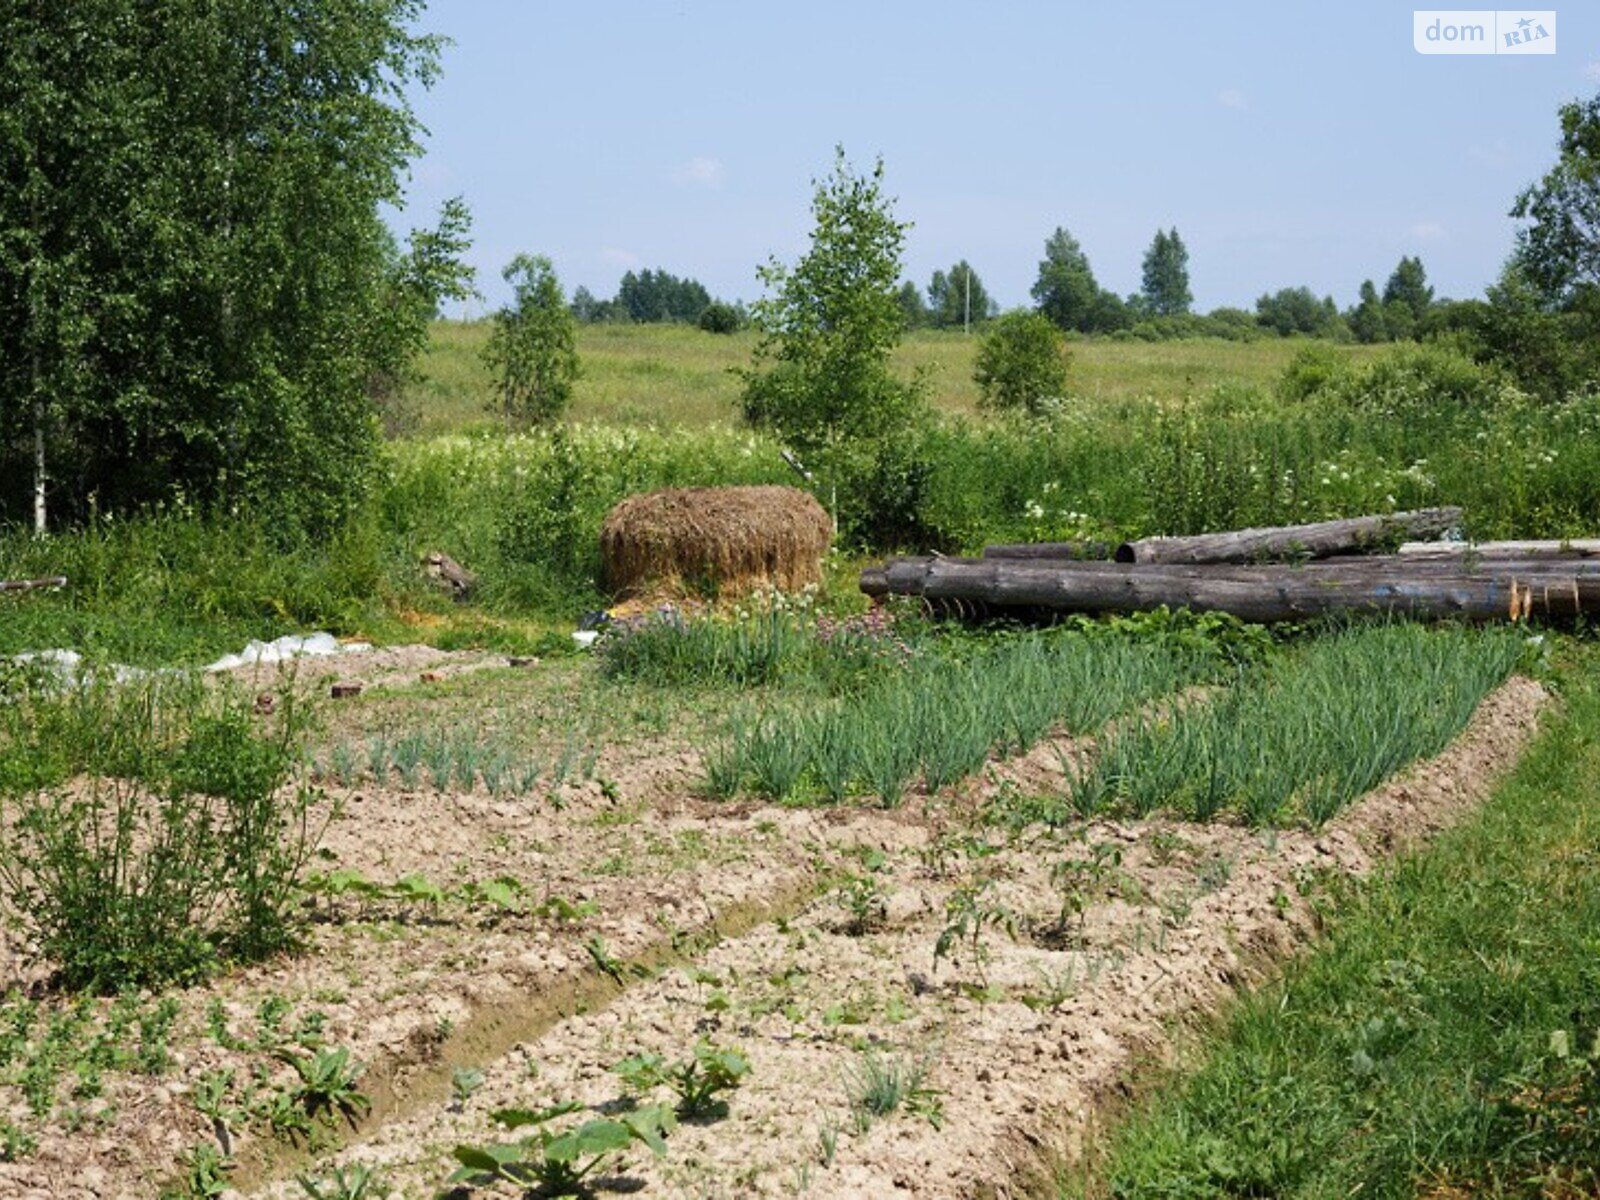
155	829
1022	362
718	317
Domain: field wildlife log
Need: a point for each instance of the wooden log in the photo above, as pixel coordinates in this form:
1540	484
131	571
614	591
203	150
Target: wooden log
903	576
1578	550
1262	593
1319	540
1031	550
28	585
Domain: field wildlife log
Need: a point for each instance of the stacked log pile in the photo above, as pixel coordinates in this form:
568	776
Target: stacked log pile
1241	572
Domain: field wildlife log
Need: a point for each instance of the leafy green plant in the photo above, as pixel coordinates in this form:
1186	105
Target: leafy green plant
1306	732
353	1182
1021	362
1079	881
863	898
326	1089
556	1163
204	1177
698	1080
532	352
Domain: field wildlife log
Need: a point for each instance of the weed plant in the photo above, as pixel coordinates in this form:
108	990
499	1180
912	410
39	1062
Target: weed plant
155	828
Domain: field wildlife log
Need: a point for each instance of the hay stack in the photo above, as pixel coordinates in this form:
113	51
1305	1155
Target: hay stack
728	538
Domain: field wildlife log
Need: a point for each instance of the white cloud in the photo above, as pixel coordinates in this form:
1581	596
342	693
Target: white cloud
1428	231
620	258
701	171
1232	98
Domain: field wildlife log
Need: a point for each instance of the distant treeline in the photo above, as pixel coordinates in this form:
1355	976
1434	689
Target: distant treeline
1066	291
658	297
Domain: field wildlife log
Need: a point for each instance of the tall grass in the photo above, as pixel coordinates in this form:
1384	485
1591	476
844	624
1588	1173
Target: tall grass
1302	737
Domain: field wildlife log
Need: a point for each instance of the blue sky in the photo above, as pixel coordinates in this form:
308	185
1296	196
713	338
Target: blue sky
1289	142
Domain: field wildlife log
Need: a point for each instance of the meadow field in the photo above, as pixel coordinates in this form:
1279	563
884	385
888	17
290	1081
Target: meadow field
679	376
780	895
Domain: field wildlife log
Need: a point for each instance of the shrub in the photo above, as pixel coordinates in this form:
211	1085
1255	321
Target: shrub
1420	381
1310	370
1021	362
154	829
718	317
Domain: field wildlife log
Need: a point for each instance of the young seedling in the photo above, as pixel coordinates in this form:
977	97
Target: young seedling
327	1088
698	1080
1079	882
701	1079
864	900
355	1182
971	909
883	1083
553	1163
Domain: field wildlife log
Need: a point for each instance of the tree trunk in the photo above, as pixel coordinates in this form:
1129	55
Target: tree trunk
1032	550
1319	540
1578	550
40	511
1260	593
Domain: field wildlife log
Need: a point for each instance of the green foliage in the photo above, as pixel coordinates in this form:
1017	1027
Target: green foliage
1367	319
1297	310
1165	286
533	351
326	1089
204	1177
882	1084
213	342
913	308
941	716
699	1080
354	1182
1408	289
183	841
957	298
1558	253
779	639
431	270
1551	351
820	375
558	1163
1299	737
1433	1044
718	317
1065	290
648	296
1022	362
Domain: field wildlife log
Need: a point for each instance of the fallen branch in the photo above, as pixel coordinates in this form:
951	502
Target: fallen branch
29	585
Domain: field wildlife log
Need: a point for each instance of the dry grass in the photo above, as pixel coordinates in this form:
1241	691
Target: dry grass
727	539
